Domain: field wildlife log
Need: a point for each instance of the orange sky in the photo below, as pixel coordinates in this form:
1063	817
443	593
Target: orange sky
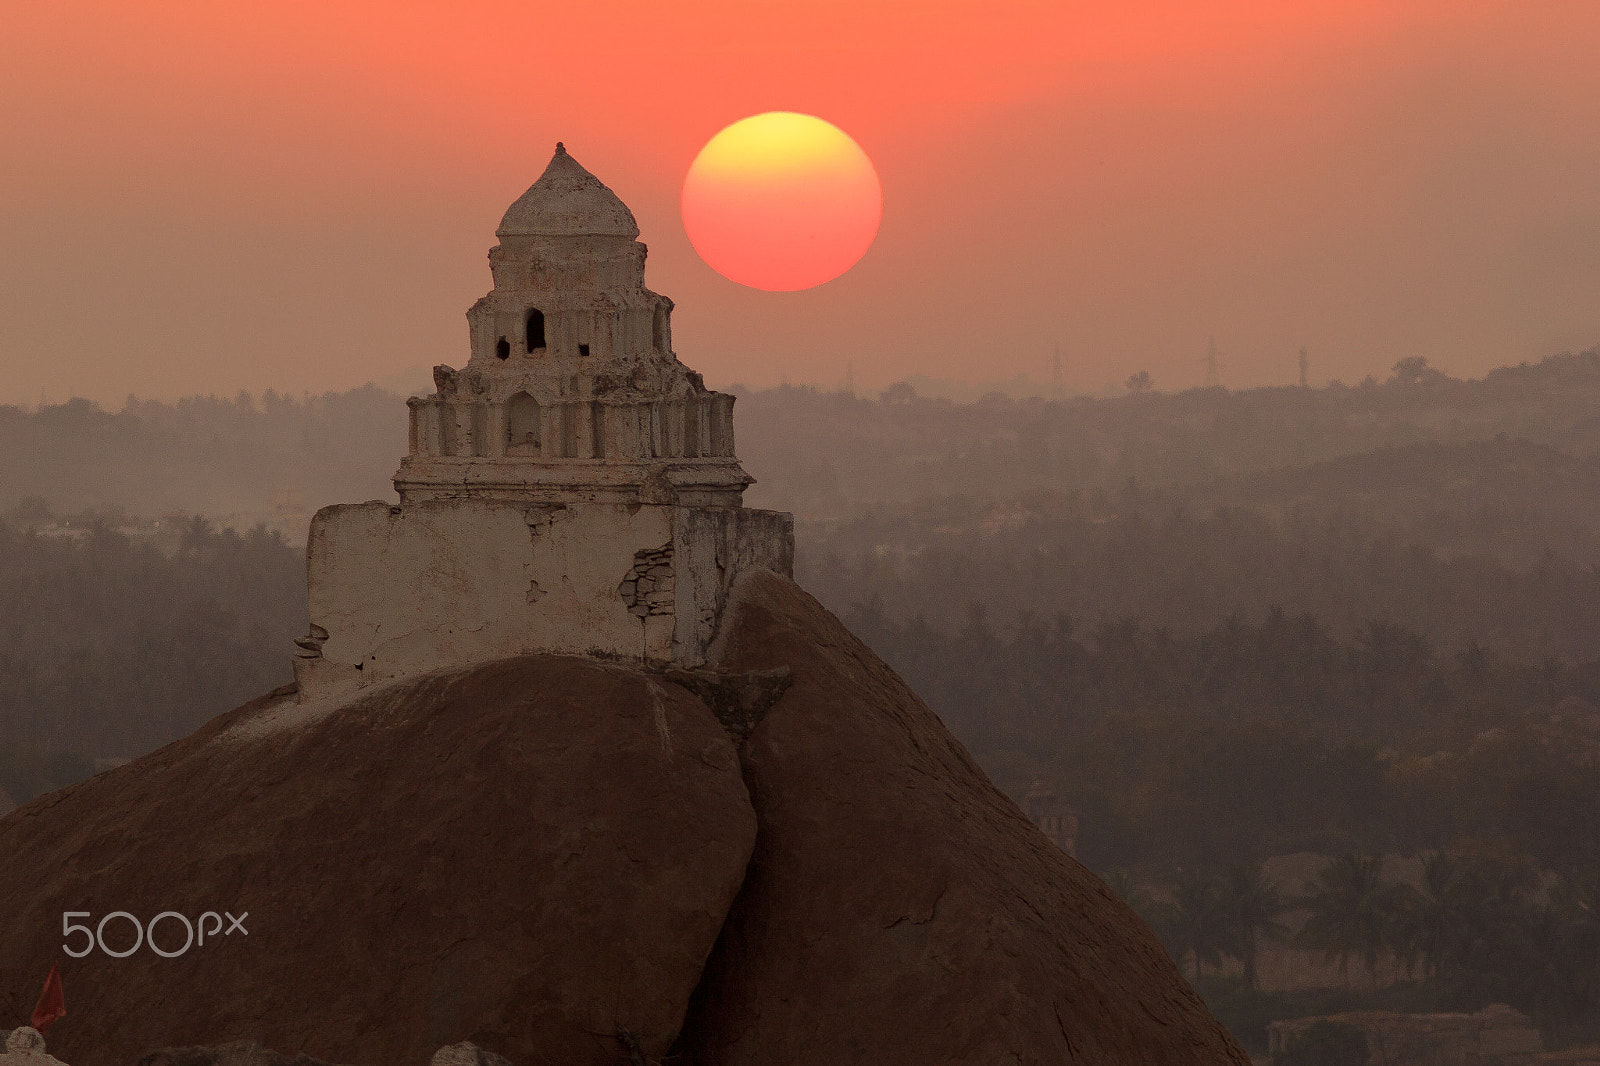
214	196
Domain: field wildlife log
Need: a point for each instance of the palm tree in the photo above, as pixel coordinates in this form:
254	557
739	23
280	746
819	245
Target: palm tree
1251	905
1129	891
1435	926
1574	955
1354	912
1161	915
1474	908
1200	922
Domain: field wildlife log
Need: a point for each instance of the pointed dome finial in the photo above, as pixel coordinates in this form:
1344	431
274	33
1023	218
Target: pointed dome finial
567	201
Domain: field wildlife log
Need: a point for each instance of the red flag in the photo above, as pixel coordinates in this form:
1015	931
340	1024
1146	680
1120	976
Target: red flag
52	1003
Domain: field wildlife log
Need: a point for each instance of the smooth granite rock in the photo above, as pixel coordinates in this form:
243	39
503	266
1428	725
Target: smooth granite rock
900	910
535	855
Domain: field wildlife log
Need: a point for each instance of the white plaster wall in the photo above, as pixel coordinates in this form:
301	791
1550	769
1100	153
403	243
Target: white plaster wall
453	581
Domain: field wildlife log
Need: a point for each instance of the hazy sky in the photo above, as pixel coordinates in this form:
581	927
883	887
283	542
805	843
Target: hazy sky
224	194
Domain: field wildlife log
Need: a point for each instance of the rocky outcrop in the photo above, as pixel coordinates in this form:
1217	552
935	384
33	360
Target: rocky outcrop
466	1053
25	1047
535	855
901	910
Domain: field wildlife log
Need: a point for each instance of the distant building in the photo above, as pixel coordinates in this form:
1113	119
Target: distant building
573	488
1495	1036
1058	820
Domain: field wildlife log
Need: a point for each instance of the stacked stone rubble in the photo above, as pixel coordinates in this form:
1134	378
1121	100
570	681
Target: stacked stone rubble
649	588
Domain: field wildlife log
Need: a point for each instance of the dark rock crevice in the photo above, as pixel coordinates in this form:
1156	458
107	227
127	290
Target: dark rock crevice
739	700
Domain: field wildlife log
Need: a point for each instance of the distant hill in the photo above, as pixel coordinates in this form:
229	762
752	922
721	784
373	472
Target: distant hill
238	461
827	456
111	645
831	456
1514	500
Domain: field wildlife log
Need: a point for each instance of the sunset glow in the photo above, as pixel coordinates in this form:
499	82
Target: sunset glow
1124	180
782	201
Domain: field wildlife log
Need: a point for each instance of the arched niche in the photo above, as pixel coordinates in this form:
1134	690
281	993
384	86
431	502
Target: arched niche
522	425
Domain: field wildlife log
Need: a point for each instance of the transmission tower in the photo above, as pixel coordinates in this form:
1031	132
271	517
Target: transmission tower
1305	367
1213	365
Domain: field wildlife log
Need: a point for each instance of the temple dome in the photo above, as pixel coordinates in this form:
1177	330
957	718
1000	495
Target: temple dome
567	201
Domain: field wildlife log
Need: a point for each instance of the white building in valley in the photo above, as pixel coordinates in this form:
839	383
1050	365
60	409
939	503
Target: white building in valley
573	488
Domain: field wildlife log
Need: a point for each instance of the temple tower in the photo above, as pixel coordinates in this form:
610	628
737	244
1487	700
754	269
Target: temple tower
572	386
573	488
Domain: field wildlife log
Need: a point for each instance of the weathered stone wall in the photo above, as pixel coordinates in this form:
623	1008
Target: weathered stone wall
714	546
1495	1036
693	427
399	590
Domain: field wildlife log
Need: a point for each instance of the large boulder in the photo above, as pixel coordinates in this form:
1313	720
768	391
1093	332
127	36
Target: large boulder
536	855
899	909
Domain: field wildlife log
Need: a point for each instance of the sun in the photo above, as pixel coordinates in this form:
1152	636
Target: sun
782	201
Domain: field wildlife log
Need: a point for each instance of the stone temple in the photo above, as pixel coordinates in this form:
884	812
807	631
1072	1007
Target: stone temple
573	488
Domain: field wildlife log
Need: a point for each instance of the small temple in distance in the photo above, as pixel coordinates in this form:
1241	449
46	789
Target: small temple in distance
573	488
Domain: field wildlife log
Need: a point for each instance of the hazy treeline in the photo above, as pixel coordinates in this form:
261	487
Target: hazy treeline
110	646
1484	925
1507	499
203	455
1252	739
831	456
1185	572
